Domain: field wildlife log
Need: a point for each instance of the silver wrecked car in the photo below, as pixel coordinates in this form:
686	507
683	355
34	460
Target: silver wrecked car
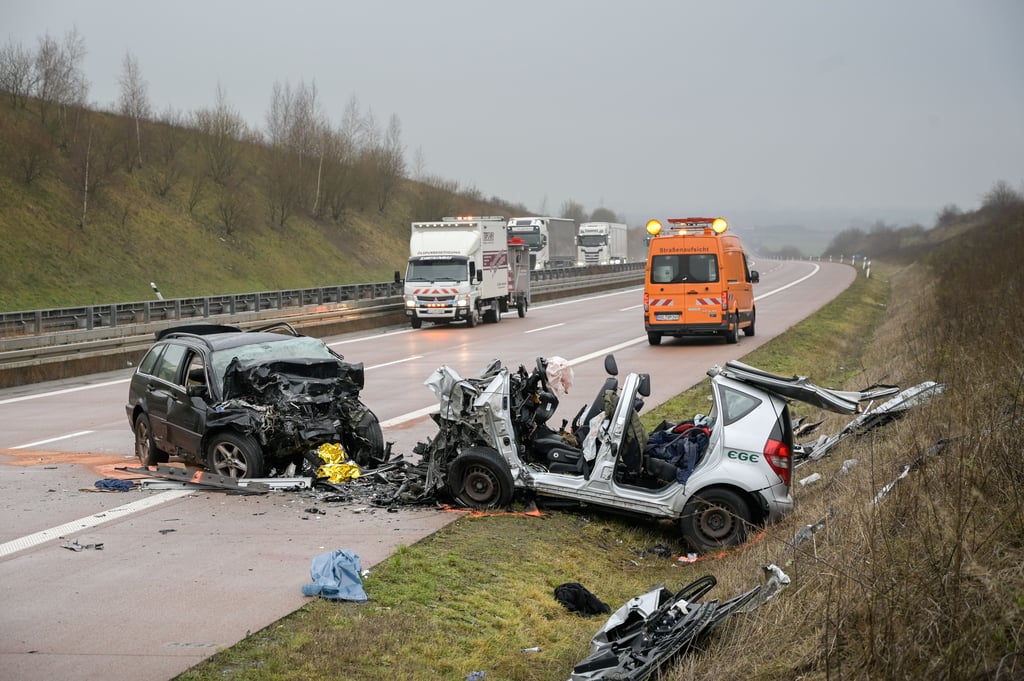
717	475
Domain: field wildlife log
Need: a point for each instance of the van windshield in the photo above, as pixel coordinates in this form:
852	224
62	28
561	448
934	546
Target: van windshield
699	268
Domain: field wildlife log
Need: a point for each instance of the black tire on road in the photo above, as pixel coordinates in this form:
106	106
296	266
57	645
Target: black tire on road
234	456
713	519
145	448
479	478
749	330
471	319
732	336
653	338
521	307
372	450
416	322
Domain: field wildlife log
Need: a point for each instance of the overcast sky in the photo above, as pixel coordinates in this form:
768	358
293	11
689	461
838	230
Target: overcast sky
762	110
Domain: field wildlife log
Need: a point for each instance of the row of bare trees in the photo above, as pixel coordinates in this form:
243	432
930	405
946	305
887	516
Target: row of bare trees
301	163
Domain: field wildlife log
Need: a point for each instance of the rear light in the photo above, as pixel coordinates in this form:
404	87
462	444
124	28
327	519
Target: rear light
647	301
725	302
778	455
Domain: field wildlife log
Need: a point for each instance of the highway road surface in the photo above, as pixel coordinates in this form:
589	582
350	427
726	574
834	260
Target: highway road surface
182	574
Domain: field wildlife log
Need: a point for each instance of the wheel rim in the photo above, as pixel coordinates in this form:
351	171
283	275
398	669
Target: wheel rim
142	441
480	485
229	461
717	523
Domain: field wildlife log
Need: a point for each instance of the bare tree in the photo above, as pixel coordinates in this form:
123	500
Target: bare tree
604	215
574	211
58	73
134	97
220	131
17	76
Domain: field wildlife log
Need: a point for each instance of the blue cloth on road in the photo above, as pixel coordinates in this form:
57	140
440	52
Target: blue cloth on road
114	485
336	576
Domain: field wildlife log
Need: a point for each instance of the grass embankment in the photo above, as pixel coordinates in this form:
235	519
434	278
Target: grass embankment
927	583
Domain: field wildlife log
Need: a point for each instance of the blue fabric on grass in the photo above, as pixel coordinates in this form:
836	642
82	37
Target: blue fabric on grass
336	576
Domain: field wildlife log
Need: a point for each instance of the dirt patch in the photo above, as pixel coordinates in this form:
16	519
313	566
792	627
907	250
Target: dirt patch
102	464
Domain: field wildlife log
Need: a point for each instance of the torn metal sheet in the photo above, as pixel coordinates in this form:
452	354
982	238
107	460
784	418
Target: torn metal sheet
648	631
871	418
201	478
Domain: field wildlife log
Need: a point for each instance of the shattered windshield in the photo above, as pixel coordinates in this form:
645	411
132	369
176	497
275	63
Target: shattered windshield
437	270
291	348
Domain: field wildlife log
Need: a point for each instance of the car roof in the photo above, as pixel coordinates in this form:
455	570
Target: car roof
221	337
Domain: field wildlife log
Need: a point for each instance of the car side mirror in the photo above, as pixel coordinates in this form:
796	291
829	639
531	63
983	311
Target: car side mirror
197	391
610	367
645	385
398	277
754	277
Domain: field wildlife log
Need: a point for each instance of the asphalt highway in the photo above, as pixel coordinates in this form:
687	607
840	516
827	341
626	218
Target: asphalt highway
173	576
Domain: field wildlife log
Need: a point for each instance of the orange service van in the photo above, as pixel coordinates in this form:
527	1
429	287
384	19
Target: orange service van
697	281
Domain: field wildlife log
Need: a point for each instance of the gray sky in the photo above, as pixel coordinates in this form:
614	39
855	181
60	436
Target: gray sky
820	112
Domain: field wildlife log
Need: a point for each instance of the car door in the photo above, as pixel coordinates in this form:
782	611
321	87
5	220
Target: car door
186	414
160	390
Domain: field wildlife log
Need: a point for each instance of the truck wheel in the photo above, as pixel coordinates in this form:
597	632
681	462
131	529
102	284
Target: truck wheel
480	479
653	338
521	308
713	519
492	316
416	322
749	331
472	318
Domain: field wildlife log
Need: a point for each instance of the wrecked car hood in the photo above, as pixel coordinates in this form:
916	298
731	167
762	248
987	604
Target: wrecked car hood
801	389
313	379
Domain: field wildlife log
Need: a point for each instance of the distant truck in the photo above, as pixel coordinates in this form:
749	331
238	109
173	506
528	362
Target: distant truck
464	269
552	241
601	243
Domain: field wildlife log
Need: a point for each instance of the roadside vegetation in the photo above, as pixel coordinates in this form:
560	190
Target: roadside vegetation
926	583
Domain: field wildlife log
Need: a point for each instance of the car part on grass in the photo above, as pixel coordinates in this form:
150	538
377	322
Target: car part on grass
650	630
870	419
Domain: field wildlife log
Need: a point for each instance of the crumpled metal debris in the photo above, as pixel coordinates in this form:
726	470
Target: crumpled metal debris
651	629
870	419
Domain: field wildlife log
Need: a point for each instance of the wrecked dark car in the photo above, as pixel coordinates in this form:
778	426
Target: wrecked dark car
247	404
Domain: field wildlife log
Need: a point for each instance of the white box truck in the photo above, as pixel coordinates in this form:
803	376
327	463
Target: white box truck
464	269
552	241
601	243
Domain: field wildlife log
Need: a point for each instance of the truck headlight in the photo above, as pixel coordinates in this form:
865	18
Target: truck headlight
463	301
410	301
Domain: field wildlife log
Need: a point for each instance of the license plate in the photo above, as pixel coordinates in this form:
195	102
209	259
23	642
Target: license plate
430	310
667	317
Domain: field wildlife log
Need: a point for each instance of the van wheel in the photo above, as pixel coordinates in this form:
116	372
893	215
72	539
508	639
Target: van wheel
749	330
480	478
732	335
653	338
714	519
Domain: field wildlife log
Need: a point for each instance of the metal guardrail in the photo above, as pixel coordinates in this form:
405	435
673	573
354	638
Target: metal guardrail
96	338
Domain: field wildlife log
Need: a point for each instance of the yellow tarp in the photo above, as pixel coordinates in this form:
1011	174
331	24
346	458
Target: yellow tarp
336	467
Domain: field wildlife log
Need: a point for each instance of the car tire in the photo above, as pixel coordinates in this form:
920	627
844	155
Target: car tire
368	447
479	478
748	331
234	456
145	447
416	322
653	338
714	519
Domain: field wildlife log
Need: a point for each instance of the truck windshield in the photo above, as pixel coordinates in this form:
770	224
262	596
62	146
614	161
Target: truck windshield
698	268
437	270
593	240
531	238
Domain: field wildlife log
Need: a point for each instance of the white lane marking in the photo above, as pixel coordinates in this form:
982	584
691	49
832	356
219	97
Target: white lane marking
372	337
397	361
59	531
545	328
63	392
399	420
52	439
783	288
631	307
